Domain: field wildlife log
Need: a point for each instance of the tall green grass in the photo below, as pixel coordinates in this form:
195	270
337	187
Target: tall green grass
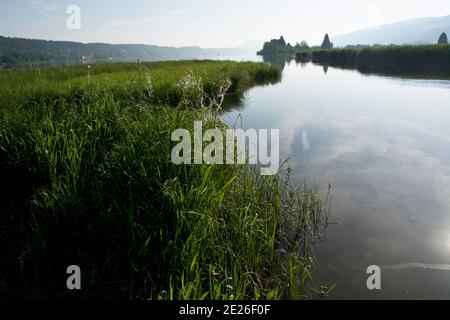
86	179
154	82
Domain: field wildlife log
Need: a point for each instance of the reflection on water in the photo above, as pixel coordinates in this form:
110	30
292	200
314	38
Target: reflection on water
420	72
280	60
383	143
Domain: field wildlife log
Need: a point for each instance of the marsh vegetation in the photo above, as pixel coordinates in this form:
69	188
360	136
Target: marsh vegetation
86	179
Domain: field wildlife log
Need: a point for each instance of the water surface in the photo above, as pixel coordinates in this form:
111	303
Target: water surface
383	143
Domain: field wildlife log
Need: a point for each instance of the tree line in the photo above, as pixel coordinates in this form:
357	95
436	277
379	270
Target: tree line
279	46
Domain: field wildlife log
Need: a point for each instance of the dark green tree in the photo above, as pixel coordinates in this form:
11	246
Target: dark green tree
326	44
274	46
304	45
443	39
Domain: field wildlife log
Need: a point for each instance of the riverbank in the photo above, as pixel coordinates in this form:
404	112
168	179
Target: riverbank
86	179
436	55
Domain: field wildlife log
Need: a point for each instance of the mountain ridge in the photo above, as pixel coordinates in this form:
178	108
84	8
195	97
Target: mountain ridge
23	52
411	31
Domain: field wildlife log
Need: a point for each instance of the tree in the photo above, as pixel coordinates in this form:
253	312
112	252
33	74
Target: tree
326	44
274	46
443	39
303	45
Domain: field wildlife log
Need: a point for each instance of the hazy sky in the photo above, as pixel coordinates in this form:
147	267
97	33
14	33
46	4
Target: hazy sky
207	23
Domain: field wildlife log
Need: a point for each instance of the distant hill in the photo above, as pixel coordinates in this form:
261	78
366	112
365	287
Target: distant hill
24	52
415	31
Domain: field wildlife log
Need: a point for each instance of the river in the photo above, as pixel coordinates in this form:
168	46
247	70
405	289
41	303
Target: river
383	143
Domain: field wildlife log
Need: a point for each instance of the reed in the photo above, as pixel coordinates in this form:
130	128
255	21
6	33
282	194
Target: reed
86	179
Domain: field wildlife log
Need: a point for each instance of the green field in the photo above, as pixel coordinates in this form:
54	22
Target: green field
86	179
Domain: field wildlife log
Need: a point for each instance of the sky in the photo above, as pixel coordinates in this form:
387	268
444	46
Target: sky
205	23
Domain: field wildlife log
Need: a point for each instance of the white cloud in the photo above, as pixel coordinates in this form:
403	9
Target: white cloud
45	6
145	20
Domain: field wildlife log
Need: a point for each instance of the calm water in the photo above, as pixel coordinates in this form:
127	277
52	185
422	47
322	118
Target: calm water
383	143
